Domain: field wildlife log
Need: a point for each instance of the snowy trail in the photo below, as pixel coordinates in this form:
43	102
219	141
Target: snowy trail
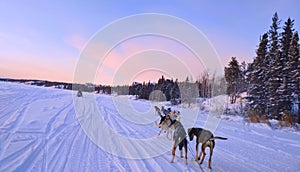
39	131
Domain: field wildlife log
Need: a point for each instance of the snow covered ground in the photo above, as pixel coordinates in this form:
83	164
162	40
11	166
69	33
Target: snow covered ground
45	129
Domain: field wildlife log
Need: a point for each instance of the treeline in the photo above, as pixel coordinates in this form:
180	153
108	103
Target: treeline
272	80
177	92
60	85
63	85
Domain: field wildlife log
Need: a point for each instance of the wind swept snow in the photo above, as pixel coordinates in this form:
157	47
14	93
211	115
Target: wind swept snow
45	129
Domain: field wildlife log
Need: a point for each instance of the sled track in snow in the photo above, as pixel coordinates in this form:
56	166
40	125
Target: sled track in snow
39	131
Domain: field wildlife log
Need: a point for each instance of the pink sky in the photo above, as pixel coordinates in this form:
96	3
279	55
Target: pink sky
138	57
43	40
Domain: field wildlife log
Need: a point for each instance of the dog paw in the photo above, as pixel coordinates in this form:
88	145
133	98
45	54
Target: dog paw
171	161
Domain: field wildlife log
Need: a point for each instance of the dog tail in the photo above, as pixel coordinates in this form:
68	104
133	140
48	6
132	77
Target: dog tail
221	138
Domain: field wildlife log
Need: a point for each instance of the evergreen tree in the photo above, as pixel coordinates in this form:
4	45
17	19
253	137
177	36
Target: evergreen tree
294	70
175	92
233	77
284	93
243	83
275	70
286	38
257	78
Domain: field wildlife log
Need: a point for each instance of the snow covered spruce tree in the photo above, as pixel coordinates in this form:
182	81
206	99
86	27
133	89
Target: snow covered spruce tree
258	80
284	90
233	78
244	82
274	75
275	70
293	66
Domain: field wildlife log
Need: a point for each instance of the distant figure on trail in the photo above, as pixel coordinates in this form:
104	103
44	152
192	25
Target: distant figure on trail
79	93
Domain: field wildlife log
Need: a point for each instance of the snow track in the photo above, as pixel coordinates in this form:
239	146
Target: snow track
39	131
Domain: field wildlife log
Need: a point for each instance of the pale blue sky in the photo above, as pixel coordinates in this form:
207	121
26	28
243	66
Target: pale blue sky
42	39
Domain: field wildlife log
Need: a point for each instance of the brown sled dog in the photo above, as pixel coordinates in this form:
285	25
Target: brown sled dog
207	139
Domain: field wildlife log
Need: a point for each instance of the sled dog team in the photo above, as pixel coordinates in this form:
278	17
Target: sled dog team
170	122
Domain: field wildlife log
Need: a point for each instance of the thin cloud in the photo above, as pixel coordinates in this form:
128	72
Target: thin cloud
76	41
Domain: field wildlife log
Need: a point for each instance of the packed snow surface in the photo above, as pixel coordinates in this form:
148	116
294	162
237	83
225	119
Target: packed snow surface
46	129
